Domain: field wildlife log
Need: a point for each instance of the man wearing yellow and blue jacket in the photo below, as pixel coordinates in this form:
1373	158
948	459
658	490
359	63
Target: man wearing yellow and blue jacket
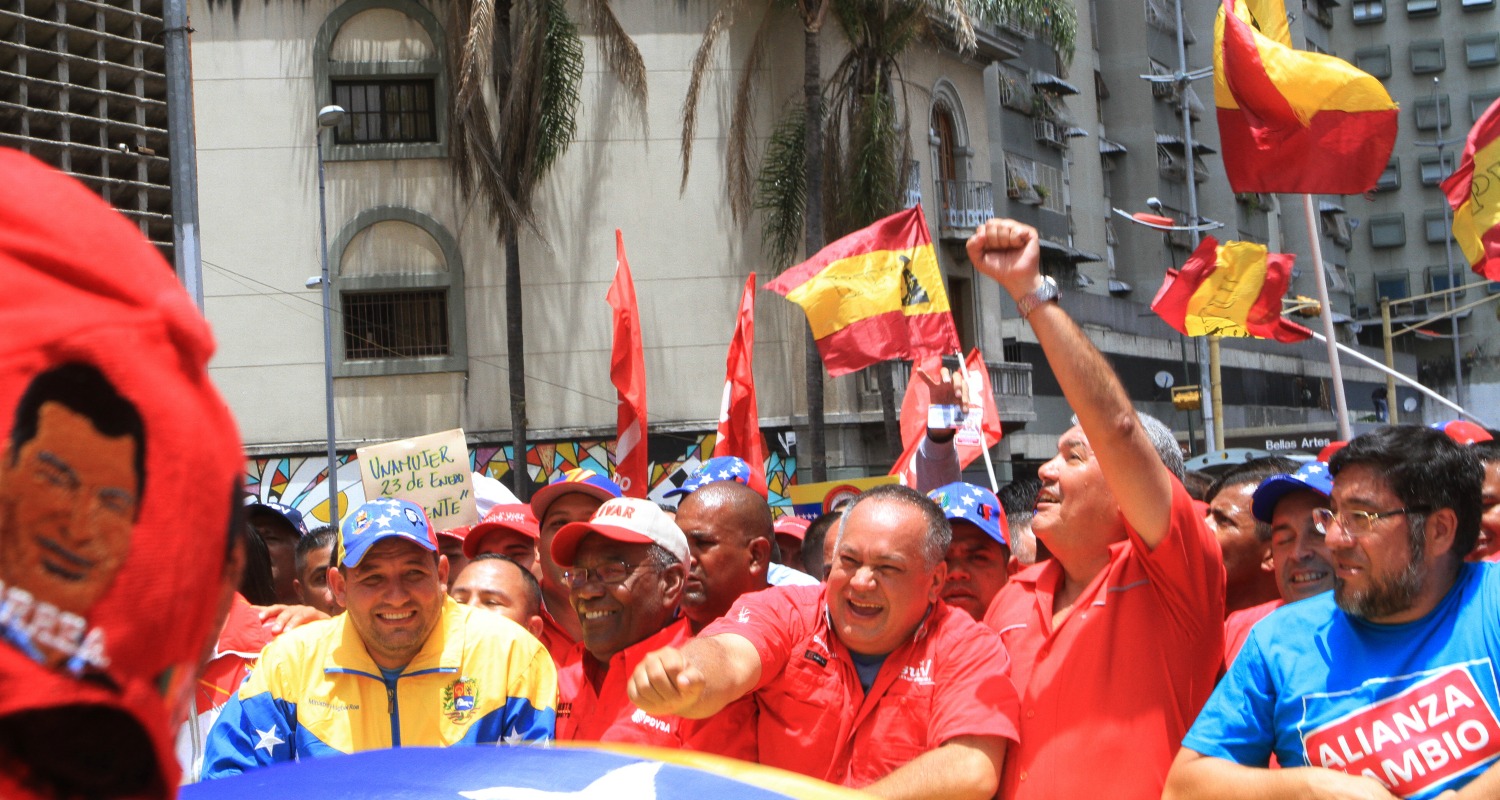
405	665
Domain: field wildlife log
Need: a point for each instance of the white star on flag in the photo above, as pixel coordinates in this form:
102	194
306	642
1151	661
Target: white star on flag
268	740
724	475
968	501
636	781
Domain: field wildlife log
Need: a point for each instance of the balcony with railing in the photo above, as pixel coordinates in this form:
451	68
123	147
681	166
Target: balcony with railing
912	195
964	206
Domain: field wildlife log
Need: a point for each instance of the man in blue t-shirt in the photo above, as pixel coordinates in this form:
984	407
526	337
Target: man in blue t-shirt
1386	686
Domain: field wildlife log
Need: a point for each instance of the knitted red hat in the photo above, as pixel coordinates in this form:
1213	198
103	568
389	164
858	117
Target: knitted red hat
119	465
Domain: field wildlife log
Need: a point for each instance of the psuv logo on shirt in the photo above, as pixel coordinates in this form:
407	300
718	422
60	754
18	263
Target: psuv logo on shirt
918	675
1437	729
459	699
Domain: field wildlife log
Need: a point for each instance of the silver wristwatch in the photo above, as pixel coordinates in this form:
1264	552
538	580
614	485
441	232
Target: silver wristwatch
1046	293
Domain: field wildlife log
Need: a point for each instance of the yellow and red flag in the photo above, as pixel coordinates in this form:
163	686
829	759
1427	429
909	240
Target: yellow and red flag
1474	192
1292	120
1233	290
980	429
627	371
739	416
874	295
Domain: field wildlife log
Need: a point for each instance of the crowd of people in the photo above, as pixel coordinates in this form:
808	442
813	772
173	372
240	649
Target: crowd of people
1317	629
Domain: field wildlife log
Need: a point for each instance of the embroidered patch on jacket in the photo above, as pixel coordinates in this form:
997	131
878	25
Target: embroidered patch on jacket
459	699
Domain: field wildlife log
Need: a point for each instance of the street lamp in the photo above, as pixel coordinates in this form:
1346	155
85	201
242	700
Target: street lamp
328	117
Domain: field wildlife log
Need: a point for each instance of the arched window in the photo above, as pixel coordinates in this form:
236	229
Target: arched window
949	139
398	286
382	61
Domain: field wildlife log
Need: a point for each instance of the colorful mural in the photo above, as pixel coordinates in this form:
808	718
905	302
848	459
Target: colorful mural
301	481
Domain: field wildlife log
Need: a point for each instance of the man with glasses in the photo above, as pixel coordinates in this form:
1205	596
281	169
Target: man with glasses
625	569
1385	686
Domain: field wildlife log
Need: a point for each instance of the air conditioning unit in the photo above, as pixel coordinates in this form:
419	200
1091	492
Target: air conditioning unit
1050	132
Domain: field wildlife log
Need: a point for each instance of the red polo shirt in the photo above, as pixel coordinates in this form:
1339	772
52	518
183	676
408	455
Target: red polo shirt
1107	697
559	643
1237	627
949	680
608	715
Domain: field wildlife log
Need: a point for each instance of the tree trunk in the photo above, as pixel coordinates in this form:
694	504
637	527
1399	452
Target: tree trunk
812	90
515	350
886	380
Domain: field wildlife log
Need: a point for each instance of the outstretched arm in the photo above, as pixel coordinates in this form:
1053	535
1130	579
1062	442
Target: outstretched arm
698	680
1195	776
1009	253
963	767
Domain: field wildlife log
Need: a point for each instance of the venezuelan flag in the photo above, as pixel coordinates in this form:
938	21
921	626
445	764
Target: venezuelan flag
1294	121
1474	192
874	295
1233	290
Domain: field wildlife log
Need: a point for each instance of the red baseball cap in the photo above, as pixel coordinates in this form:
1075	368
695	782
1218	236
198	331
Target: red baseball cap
1463	431
508	517
104	380
795	527
624	519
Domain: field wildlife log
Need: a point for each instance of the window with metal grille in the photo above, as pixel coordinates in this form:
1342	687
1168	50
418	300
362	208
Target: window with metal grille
399	324
1368	11
386	111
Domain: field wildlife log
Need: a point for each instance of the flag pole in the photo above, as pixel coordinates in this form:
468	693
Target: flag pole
1370	362
1326	313
989	466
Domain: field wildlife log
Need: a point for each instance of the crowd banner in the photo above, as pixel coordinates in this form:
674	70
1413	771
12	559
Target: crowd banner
431	471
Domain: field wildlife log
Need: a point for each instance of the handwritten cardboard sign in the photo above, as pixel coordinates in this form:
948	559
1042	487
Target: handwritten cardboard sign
431	471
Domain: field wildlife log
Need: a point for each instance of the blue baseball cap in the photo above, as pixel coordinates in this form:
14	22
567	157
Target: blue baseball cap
976	505
1313	475
286	512
581	480
719	468
383	519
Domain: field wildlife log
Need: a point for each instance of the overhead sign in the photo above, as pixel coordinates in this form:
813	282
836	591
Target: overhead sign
431	471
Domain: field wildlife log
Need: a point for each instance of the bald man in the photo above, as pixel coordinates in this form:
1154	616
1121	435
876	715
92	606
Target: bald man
729	532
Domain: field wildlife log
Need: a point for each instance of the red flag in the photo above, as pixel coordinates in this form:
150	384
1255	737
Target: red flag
874	295
739	419
1474	193
1233	290
627	371
981	428
1295	121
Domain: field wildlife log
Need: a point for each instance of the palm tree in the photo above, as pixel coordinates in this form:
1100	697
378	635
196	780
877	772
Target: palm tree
529	54
830	182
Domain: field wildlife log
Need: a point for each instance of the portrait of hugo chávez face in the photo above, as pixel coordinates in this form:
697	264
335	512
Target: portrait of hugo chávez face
71	480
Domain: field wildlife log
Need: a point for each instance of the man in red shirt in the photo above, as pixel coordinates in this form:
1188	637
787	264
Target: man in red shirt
729	532
1117	640
1303	565
1244	541
870	681
626	568
572	498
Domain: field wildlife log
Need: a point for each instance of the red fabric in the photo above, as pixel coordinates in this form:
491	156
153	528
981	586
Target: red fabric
949	680
739	418
1458	187
914	417
1119	682
1264	318
1339	152
559	644
1237	626
608	715
627	371
240	643
884	336
82	285
1267	149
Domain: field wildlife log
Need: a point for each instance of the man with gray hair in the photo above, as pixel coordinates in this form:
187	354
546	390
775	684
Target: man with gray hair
871	680
1115	642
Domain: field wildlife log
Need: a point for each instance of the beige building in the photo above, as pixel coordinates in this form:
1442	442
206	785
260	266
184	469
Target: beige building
418	272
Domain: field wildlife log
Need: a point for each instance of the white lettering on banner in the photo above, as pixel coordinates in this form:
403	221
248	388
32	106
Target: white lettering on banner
1430	733
30	623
